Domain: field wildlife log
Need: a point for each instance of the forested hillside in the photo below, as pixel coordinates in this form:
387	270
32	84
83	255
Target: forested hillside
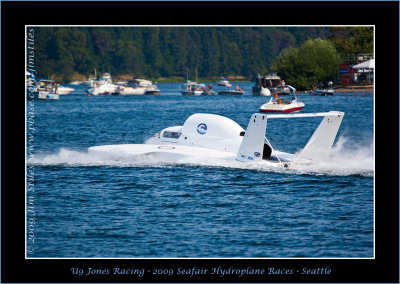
164	51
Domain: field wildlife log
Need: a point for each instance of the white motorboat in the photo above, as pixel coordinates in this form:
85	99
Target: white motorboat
47	90
78	83
132	88
224	82
152	90
61	90
322	92
281	104
328	91
231	92
209	91
139	87
273	82
103	89
106	77
47	95
192	88
210	136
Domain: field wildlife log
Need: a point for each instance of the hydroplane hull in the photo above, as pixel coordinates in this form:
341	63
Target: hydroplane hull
209	136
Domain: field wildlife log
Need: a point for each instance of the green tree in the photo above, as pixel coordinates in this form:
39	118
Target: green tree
314	62
170	51
349	40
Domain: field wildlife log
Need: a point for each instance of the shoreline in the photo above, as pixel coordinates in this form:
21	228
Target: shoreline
354	88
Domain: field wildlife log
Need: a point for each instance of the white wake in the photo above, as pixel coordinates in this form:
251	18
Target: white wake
344	159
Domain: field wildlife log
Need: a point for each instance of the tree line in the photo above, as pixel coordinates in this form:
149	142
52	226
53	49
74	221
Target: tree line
301	55
155	52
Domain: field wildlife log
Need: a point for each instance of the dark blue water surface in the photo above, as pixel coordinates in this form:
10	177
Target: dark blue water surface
93	206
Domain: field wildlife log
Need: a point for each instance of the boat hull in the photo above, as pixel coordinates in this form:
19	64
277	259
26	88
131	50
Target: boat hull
282	108
65	90
126	91
322	93
230	93
295	109
152	93
43	95
192	93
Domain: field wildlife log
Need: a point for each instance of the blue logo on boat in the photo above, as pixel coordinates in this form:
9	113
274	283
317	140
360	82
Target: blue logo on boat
257	154
250	158
202	128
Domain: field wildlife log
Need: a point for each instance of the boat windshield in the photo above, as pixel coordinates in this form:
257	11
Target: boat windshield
171	134
283	101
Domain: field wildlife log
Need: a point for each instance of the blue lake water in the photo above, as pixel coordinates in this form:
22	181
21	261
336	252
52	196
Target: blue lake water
92	206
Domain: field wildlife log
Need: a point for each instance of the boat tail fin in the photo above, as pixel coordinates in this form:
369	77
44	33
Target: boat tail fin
321	141
252	146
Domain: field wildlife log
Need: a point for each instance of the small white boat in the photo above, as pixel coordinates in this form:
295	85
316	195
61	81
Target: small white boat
224	82
139	87
281	104
231	92
46	95
61	90
47	90
77	83
107	78
209	92
103	89
152	90
192	89
131	88
273	82
323	92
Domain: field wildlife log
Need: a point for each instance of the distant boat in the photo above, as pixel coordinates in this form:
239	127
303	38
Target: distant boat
61	90
209	92
231	92
102	86
192	88
224	82
323	91
78	83
274	84
107	78
139	87
152	90
47	89
102	89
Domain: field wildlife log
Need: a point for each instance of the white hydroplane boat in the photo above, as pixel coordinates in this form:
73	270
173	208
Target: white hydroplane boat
214	136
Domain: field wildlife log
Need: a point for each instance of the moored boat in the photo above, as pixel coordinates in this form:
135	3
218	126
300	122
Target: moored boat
321	91
231	92
192	88
139	87
103	89
209	92
47	90
61	90
224	82
152	90
134	87
273	82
